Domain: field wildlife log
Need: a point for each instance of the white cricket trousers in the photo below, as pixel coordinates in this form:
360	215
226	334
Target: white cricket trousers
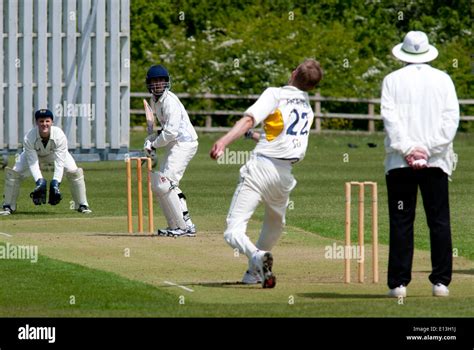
266	180
21	165
176	159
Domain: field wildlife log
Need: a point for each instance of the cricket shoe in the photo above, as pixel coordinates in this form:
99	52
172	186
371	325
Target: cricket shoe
251	277
163	231
84	209
7	210
178	232
440	290
191	229
398	292
263	263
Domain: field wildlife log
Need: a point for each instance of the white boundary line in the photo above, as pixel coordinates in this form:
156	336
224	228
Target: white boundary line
5	234
177	285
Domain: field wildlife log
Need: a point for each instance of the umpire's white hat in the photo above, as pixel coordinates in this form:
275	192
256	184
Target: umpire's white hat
415	48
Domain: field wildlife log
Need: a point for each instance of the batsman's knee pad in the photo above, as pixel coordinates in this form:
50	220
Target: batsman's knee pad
12	187
163	188
160	185
78	187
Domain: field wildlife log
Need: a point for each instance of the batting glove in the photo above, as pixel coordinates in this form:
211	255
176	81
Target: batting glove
148	146
152	137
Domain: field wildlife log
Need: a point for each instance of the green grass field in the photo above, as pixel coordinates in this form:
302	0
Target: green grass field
90	266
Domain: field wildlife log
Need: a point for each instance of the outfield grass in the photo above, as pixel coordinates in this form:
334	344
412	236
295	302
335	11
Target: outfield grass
110	273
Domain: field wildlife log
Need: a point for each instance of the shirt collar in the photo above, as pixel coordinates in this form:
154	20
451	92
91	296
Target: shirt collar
162	97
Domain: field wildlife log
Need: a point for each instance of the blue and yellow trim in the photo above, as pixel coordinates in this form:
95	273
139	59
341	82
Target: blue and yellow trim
273	125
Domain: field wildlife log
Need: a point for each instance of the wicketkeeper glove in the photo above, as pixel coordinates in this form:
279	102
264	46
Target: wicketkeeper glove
54	194
39	193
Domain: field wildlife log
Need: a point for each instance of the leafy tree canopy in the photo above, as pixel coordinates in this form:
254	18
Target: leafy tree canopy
242	47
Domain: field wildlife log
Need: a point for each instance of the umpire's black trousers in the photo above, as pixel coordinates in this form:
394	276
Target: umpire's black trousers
402	186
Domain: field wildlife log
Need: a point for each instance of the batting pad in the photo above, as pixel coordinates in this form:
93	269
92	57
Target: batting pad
169	200
12	187
78	187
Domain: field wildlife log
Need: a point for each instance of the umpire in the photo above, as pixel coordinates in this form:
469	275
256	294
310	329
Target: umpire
420	111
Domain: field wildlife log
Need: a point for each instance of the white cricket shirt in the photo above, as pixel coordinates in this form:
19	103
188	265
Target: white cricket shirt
286	115
174	120
419	108
35	151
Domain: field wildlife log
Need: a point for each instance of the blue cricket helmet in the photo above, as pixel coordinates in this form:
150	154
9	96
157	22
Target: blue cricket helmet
157	88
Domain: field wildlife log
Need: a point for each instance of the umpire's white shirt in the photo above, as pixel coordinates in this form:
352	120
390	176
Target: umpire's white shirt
55	150
419	108
174	120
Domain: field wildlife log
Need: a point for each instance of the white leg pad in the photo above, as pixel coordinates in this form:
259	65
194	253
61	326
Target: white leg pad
184	207
155	180
78	187
169	200
12	187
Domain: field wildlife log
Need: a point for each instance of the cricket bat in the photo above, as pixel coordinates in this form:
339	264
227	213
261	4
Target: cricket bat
149	117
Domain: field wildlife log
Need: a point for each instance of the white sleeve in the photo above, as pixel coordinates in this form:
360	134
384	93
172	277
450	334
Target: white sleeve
265	105
170	130
31	155
444	136
60	154
396	135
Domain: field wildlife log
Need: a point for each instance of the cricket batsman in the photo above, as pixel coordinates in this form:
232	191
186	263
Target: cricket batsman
42	145
286	116
179	140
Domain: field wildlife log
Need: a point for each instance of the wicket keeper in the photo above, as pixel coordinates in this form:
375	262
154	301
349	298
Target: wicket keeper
42	145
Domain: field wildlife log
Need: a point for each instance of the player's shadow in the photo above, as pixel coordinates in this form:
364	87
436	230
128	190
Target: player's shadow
463	272
332	295
128	235
223	284
29	214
